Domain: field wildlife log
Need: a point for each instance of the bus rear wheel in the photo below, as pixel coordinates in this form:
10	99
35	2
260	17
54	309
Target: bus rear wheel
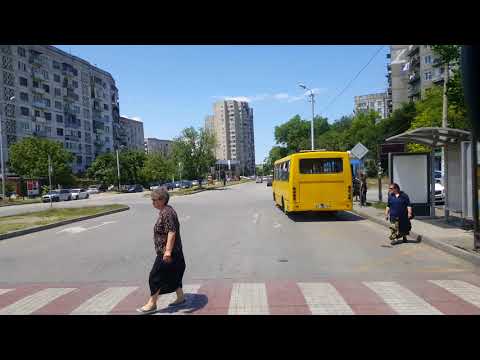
284	209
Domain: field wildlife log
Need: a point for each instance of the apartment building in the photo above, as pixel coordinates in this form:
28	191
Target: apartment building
48	93
412	70
232	125
377	102
153	145
133	133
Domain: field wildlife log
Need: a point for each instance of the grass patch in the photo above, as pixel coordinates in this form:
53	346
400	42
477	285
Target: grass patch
20	202
195	189
379	205
46	217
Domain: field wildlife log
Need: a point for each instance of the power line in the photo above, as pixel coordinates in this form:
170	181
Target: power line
351	81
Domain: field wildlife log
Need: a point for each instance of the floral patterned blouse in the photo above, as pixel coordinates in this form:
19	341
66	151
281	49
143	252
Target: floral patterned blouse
167	221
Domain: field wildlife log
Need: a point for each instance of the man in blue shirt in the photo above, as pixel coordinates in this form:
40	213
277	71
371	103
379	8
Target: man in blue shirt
400	212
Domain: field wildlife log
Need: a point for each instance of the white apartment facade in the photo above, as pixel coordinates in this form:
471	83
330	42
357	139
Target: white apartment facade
133	129
48	93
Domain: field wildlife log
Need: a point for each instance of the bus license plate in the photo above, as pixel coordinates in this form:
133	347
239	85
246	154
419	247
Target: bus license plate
322	206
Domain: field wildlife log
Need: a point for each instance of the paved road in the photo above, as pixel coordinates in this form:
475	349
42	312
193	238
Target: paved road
243	255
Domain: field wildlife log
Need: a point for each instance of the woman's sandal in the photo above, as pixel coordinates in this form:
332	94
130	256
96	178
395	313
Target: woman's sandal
146	312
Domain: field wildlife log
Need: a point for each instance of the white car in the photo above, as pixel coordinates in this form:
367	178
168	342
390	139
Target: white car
65	194
195	183
78	194
92	190
439	193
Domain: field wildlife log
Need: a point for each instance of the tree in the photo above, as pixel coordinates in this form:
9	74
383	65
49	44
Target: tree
157	168
104	169
295	133
276	153
193	153
28	158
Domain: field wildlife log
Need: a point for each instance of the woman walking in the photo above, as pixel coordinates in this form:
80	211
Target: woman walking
363	189
167	271
400	212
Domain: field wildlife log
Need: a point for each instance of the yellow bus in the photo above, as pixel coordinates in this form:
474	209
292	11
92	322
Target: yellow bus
313	181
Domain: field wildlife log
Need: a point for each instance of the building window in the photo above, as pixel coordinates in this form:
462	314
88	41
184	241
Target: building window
428	75
24	96
59	132
59	118
75	84
56	65
21	51
22	66
56	78
79	160
58	105
105	106
48	103
45	74
35	84
23	81
58	92
46	88
24	111
48	116
428	59
36	113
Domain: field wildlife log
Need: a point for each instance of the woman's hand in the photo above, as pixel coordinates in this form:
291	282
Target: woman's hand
167	257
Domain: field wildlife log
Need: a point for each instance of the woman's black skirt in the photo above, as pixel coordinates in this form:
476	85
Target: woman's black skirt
166	277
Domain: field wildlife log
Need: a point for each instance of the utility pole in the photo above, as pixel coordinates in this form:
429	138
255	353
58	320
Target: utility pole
50	177
1	152
312	99
445	147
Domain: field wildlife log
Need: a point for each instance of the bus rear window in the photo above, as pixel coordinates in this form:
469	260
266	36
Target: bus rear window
321	166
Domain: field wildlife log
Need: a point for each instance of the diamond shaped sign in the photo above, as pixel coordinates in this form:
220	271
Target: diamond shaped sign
359	151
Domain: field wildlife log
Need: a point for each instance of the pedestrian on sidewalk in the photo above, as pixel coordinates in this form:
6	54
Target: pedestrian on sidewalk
169	266
363	189
356	188
400	212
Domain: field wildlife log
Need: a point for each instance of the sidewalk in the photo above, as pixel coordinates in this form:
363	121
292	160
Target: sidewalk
449	237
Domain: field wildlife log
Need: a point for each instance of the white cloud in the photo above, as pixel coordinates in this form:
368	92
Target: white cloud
272	97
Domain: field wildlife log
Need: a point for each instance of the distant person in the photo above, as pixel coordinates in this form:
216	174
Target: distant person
169	266
363	189
400	212
356	188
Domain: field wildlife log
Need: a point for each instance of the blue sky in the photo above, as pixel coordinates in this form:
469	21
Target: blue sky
173	87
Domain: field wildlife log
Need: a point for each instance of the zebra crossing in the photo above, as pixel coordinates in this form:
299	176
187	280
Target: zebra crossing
416	297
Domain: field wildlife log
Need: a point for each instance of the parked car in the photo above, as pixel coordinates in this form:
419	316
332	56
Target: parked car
78	194
154	186
438	177
185	184
53	196
135	188
259	180
65	194
269	180
439	193
168	185
93	190
195	183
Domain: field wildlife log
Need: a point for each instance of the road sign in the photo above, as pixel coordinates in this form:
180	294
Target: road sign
359	151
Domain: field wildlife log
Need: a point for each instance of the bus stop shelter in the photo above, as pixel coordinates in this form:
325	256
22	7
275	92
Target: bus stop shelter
456	169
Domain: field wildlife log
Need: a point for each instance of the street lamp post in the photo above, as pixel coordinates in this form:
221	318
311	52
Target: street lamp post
1	153
312	99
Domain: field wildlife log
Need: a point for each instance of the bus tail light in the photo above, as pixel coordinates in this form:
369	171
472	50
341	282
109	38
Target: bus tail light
294	194
349	192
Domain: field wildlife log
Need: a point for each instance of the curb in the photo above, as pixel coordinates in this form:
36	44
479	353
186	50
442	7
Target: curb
450	249
58	224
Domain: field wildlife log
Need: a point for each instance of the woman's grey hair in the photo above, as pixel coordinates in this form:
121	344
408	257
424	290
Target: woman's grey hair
160	194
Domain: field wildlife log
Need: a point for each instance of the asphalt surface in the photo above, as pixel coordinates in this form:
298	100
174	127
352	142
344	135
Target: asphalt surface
232	234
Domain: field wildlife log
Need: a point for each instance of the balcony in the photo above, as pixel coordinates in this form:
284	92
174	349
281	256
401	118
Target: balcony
413	78
40	133
38	90
36	60
437	79
39	104
413	91
415	61
37	76
39	119
413	49
72	138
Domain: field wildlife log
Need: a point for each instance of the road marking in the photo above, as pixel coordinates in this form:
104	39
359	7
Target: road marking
255	218
165	299
79	229
35	301
103	302
276	225
324	299
248	299
4	291
465	291
401	299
